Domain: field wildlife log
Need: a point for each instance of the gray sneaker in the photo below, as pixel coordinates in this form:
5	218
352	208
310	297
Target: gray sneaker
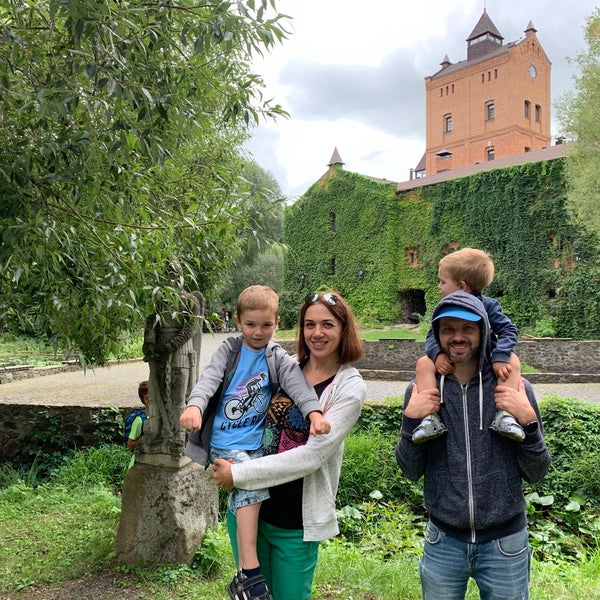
506	425
431	427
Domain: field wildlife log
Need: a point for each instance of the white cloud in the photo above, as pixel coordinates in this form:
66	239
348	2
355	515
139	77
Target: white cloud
352	77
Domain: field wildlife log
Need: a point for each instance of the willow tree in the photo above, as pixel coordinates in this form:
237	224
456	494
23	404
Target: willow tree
121	126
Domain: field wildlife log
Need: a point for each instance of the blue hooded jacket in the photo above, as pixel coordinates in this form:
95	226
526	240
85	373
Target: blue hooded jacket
472	476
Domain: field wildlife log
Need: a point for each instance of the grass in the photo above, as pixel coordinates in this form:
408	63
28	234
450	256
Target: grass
65	529
23	350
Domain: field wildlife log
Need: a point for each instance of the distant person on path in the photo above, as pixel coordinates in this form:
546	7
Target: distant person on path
473	479
134	422
303	471
228	406
471	270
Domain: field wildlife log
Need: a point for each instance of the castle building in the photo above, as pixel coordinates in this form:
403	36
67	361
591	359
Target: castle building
494	104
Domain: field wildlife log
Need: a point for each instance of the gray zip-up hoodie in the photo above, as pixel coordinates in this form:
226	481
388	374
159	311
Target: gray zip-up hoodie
284	371
472	476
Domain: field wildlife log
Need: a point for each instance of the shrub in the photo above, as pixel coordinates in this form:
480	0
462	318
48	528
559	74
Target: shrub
572	433
97	466
370	464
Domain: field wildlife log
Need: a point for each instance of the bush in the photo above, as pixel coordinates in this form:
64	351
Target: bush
103	466
572	432
370	464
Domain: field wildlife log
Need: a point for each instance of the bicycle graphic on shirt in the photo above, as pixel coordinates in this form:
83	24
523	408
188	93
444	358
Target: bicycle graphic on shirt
236	408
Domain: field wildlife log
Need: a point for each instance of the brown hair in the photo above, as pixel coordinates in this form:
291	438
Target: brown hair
256	297
351	346
470	265
142	390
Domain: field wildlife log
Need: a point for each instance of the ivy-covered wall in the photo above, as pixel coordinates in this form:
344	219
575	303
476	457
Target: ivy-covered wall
381	249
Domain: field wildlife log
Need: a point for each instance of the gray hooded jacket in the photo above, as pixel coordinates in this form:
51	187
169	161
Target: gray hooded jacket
472	476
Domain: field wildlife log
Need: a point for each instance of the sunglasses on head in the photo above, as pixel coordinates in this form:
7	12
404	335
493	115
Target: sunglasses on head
331	299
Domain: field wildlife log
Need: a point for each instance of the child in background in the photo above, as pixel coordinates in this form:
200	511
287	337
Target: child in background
471	270
134	422
228	406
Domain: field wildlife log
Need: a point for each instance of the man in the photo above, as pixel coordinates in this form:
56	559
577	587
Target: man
472	478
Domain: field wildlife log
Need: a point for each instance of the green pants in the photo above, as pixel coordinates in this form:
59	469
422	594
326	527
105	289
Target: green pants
286	560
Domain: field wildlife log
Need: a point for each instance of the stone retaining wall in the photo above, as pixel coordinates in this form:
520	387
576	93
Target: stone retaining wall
48	429
546	355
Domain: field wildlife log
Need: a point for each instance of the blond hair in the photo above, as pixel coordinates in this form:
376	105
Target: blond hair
473	266
256	297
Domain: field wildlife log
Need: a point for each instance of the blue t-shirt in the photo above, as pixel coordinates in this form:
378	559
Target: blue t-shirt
240	418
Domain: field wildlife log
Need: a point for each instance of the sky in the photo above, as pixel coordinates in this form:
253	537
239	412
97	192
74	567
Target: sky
352	76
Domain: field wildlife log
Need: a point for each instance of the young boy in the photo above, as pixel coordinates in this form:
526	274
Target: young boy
135	421
228	407
471	270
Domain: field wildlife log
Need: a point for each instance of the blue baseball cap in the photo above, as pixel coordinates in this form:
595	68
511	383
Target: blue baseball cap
458	313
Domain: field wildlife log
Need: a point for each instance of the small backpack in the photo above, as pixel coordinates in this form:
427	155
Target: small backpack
136	412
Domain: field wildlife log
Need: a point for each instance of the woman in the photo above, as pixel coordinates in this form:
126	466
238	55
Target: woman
303	478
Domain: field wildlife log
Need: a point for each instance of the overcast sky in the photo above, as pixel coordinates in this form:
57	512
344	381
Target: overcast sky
352	76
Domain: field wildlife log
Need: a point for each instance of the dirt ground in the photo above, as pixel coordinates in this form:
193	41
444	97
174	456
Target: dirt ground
106	585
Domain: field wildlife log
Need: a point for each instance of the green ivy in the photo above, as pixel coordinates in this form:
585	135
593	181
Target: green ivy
545	265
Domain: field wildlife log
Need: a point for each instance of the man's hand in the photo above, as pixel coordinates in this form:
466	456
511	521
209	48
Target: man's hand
515	402
422	403
443	365
502	370
191	418
220	471
318	424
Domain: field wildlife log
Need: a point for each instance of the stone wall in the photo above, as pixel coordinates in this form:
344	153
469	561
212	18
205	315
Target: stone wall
28	428
59	427
546	355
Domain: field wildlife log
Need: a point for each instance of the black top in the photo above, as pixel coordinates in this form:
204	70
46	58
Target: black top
286	429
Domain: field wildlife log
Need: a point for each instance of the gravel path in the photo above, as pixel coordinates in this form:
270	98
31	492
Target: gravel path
117	385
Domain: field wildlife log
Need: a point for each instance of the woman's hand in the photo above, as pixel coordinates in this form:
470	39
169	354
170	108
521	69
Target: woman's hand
220	471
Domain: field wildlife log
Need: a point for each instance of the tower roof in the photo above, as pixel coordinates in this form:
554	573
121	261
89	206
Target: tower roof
484	25
530	27
335	159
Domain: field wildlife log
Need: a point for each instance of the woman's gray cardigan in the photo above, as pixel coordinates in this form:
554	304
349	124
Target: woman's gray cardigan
319	461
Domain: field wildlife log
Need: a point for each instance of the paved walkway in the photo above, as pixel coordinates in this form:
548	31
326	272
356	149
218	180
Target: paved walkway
117	385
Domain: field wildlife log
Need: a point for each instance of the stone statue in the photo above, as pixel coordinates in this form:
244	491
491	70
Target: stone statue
172	340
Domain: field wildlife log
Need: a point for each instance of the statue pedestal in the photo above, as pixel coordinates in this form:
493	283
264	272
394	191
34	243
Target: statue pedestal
165	513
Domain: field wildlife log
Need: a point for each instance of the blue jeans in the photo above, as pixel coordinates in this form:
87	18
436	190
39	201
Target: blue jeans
500	567
238	497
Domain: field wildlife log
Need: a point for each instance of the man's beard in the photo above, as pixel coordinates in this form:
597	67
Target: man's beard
462	356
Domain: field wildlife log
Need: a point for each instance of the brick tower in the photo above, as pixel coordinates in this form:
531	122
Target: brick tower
495	103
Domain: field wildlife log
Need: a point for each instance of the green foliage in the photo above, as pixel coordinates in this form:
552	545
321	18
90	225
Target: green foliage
46	443
369	464
572	432
121	148
338	242
213	552
108	426
25	350
523	224
517	214
579	121
382	529
578	295
104	466
53	533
